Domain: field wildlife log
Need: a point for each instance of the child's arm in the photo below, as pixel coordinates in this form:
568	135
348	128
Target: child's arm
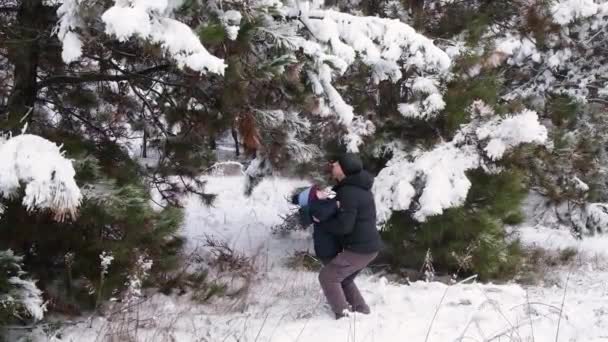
323	210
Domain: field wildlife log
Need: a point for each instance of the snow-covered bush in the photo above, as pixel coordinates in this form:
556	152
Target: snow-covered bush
442	170
19	296
475	229
597	218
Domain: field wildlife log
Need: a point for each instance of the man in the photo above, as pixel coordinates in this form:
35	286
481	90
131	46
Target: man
355	224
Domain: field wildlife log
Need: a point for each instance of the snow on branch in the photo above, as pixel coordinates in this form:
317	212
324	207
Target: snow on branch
380	43
28	295
442	171
566	62
145	19
336	40
566	11
510	132
47	175
428	101
597	217
69	21
294	126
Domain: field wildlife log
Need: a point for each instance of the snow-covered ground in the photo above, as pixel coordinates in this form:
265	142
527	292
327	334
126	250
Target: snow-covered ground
287	305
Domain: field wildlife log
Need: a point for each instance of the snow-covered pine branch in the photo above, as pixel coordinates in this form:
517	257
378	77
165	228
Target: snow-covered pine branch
69	21
148	20
47	175
331	40
570	62
336	40
19	297
442	170
294	127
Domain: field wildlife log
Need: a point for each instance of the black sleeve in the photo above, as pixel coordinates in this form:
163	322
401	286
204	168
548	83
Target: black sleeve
323	210
344	222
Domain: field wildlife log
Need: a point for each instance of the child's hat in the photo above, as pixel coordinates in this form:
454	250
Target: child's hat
306	196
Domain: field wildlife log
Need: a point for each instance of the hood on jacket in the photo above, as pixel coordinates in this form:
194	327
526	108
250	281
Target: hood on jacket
361	179
350	163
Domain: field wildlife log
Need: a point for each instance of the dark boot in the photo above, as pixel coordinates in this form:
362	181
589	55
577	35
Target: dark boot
354	297
362	309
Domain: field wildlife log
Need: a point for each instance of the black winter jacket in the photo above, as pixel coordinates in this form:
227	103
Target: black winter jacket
355	220
327	245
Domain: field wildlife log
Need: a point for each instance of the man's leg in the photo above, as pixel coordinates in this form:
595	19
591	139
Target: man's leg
339	269
353	296
325	260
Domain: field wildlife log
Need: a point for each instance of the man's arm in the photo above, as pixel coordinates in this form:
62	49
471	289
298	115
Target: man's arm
343	222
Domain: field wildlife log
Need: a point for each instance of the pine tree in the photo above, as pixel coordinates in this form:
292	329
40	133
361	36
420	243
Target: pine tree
115	216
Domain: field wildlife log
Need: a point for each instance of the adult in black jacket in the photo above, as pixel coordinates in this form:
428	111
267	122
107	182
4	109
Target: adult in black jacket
355	224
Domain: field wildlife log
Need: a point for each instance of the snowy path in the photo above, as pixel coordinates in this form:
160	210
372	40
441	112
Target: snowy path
286	305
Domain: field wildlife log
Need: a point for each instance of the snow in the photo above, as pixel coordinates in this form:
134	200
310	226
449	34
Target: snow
126	22
30	296
105	261
518	49
409	110
434	103
506	133
231	20
242	221
590	248
287	305
69	20
580	185
343	110
72	47
359	128
446	182
566	11
430	103
39	165
425	85
141	19
597	216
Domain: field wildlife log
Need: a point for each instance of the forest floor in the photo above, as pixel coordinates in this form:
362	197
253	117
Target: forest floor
567	301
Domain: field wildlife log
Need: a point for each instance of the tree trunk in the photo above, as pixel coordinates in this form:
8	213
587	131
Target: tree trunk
144	143
417	8
24	54
235	136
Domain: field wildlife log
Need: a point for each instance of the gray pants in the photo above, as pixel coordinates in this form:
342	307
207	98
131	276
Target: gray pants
337	281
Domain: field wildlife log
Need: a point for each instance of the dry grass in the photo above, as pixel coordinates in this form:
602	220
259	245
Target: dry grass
304	260
289	223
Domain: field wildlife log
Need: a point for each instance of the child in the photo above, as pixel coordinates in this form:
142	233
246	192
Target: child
316	207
